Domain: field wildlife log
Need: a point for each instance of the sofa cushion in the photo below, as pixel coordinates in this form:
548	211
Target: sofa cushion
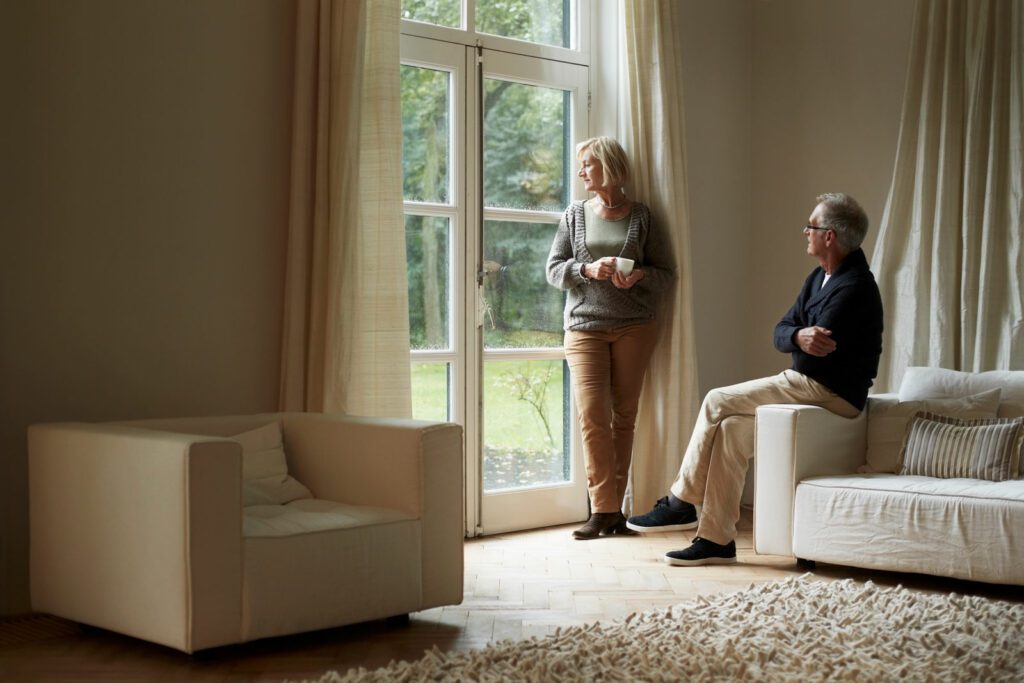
964	528
889	417
948	448
919	383
265	478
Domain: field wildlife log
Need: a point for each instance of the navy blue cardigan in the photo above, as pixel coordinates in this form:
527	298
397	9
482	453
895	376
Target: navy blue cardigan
849	305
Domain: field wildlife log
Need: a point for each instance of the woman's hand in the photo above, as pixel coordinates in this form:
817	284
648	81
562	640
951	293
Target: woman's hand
626	281
601	269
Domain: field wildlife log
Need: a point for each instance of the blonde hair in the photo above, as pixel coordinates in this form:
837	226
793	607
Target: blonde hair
611	156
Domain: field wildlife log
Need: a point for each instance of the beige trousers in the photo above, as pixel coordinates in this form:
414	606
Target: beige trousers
715	464
607	370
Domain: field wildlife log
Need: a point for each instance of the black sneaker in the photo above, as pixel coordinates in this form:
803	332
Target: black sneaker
701	552
664	518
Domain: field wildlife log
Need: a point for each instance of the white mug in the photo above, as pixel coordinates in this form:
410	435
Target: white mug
624	265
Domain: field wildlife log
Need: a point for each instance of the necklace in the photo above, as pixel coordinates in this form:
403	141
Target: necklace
610	206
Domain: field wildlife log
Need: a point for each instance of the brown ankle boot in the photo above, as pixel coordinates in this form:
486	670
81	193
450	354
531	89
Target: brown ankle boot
600	523
619	528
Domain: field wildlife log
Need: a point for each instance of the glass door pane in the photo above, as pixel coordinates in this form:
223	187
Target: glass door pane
427	251
439	12
522	309
536	21
433	97
526	146
526	400
527	443
532	476
426	134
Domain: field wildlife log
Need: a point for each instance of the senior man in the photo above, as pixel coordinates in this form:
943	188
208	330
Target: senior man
834	333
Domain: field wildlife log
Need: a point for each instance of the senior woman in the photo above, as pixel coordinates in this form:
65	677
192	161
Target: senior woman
610	327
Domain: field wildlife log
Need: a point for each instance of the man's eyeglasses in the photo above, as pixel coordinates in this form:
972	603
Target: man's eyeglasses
815	227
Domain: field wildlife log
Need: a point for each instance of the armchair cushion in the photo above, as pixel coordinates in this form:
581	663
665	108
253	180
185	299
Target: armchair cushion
311	515
265	468
310	560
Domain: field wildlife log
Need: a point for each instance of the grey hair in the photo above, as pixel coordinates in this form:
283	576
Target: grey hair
845	217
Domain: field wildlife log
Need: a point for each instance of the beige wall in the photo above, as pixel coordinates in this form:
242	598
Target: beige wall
828	91
785	99
144	202
716	42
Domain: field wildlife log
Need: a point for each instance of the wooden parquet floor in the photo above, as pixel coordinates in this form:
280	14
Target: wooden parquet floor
517	586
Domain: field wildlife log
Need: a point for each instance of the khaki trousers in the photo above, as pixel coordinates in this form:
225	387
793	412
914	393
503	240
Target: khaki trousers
607	370
714	467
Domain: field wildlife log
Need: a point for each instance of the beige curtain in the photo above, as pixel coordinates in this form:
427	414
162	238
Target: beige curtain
345	345
948	257
652	131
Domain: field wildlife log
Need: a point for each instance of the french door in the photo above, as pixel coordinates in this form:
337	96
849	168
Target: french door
488	140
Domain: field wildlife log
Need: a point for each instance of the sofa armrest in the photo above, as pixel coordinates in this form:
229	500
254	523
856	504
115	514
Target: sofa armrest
409	465
137	531
794	442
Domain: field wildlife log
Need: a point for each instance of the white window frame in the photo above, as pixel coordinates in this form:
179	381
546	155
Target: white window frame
577	53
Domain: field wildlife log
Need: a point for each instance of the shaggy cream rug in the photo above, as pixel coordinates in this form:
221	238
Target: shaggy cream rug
796	629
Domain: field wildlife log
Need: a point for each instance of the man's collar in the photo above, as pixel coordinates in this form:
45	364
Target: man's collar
855	260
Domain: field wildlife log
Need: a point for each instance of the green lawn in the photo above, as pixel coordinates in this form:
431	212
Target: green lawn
518	448
430	391
509	422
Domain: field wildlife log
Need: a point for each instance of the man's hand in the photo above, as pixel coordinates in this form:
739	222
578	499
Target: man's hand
817	341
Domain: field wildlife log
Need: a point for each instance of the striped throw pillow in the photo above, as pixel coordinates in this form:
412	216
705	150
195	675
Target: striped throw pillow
949	447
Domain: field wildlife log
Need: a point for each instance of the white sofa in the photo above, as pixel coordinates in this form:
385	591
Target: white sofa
826	487
140	527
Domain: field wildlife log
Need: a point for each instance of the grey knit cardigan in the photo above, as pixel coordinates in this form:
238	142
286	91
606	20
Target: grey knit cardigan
598	304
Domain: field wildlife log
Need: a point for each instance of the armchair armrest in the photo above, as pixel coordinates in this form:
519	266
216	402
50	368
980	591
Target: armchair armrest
794	442
137	531
408	465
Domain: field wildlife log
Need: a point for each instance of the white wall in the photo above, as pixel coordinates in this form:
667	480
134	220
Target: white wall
144	203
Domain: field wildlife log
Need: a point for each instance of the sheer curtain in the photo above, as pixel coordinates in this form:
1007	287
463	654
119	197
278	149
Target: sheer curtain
345	345
653	133
948	257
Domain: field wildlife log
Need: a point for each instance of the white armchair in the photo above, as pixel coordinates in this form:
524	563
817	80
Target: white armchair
140	527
